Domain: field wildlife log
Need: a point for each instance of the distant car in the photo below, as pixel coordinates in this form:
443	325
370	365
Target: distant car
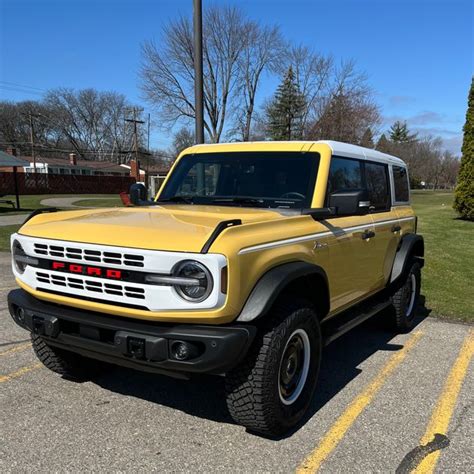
252	257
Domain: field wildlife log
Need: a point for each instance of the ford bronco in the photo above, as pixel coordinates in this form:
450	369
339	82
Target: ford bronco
250	259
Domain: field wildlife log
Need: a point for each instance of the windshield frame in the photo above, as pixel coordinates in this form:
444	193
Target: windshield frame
182	167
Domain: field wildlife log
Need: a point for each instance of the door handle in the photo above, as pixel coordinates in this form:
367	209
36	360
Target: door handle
396	228
367	234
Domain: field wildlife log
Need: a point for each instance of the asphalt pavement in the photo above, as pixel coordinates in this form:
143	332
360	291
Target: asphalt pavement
385	403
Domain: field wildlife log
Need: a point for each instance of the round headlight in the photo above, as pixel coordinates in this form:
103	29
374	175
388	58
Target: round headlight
19	255
200	280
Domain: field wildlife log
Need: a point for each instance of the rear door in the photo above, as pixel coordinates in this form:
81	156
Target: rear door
401	200
385	220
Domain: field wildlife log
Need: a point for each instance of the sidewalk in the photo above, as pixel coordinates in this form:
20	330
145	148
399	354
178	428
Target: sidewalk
12	220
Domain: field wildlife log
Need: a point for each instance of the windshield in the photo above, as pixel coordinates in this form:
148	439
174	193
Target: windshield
249	179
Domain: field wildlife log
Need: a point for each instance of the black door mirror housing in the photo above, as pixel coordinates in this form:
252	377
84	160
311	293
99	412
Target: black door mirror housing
137	194
350	203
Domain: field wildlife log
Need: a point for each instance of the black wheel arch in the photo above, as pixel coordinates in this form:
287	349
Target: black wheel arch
412	246
301	279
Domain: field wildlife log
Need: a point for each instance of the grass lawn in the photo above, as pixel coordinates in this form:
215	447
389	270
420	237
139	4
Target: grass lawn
5	232
448	274
29	203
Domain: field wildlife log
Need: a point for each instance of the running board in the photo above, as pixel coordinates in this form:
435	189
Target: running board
340	324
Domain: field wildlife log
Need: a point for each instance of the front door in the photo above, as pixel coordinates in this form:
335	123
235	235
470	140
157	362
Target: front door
351	245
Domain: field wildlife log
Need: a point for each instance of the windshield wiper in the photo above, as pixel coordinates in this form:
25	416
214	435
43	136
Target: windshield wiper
185	199
239	200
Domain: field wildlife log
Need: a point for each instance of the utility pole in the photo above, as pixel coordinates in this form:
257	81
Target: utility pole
198	79
148	137
32	139
135	122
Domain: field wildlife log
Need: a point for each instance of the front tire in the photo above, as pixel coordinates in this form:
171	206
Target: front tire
405	299
270	391
65	363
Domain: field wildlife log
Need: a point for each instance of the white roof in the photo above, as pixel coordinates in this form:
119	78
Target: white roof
338	148
355	151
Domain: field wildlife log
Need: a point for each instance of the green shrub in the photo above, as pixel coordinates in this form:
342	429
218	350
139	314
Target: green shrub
464	193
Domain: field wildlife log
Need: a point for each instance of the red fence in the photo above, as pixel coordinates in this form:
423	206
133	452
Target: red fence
64	184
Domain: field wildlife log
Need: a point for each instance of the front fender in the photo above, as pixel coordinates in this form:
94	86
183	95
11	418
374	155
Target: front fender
272	283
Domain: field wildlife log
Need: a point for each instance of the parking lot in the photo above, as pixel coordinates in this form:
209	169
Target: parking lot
384	403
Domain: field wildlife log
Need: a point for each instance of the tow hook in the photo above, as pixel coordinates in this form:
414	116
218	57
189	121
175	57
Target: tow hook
43	325
136	347
141	347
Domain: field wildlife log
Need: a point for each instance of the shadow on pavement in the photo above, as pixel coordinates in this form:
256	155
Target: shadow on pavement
204	396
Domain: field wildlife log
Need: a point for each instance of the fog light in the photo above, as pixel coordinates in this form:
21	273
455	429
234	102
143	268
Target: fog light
182	350
20	315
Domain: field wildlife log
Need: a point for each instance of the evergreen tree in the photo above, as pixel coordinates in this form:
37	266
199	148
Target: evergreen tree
464	193
367	139
383	144
284	115
399	133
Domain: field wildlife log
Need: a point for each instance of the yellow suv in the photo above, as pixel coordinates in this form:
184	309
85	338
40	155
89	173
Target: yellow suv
250	259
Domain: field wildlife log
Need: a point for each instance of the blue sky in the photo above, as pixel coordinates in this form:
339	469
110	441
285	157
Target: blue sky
418	53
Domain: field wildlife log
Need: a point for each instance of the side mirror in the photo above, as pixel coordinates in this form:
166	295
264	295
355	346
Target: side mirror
350	203
137	194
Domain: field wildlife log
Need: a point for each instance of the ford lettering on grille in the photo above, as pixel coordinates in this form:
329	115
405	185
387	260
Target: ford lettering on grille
87	270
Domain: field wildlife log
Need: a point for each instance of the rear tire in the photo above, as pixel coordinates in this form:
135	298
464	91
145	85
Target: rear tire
405	299
65	363
271	390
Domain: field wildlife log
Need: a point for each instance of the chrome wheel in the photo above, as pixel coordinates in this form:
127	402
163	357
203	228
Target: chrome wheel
294	367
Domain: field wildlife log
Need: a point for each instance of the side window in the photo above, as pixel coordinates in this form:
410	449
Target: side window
344	174
376	177
400	180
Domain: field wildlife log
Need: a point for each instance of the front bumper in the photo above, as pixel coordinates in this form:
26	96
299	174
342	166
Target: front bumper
132	343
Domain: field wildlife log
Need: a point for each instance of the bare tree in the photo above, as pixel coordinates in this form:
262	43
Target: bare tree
313	73
91	122
15	127
348	110
167	70
261	52
182	139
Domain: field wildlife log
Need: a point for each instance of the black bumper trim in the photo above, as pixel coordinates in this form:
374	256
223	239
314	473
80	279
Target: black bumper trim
108	337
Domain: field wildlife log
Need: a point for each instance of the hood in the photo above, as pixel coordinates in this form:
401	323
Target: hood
172	227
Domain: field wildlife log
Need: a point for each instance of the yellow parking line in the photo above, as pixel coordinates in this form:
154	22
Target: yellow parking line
15	349
444	408
332	438
20	372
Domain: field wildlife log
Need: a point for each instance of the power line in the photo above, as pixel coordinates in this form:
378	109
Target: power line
15	89
22	85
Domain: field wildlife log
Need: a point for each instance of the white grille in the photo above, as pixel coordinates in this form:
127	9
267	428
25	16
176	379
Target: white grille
77	283
116	292
88	255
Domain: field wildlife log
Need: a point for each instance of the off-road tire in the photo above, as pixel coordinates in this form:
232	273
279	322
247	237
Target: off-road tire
65	363
403	307
253	387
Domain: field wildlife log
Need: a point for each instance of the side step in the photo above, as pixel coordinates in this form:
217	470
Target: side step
344	322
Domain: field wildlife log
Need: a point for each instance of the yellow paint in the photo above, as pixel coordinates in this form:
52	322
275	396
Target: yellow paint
332	438
444	408
19	372
15	349
353	273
